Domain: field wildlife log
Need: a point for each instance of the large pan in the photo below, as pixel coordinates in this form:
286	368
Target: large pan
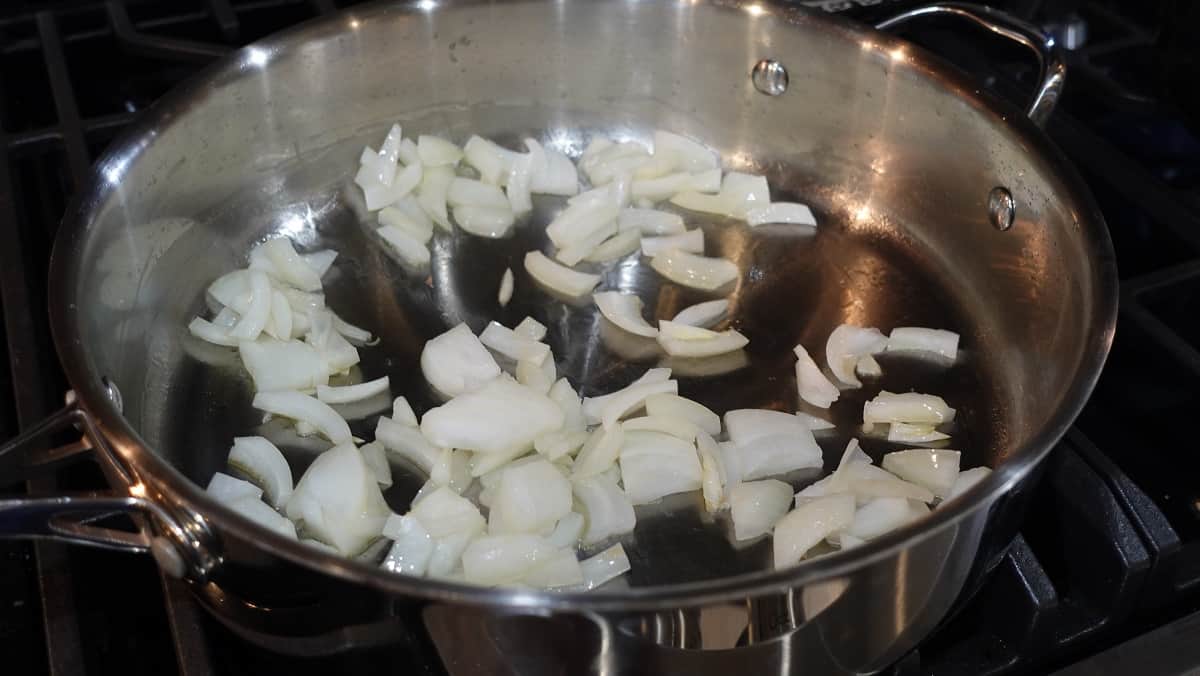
938	206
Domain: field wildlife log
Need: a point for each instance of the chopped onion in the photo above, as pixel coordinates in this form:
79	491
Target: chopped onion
679	428
351	393
714	480
868	367
868	481
731	459
702	315
935	469
568	530
631	399
965	481
280	325
497	417
814	387
321	260
513	345
814	423
675	406
756	505
905	433
654	465
491	161
435	184
691	241
771	442
531	328
452	469
683	153
402	412
207	331
697	272
846	345
560	569
444	513
605	508
530	498
500	559
593	407
406	442
393	217
447	556
572	407
483	463
225	489
907	407
261	513
557	277
683	183
506	287
378	196
412	252
918	339
232	290
299	407
560	443
259	459
456	362
603	161
883	515
338	502
552	172
258	311
437	152
682	340
351	332
472	193
484	221
802	528
621	244
780	212
582	248
375	456
599	452
412	546
582	220
539	377
604	567
650	222
624	310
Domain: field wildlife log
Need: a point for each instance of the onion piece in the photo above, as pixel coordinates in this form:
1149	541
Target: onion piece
757	505
814	423
654	465
501	559
714	481
299	406
621	244
802	528
452	469
351	332
705	367
529	498
261	513
684	153
675	406
605	507
321	260
491	161
431	195
210	332
771	442
868	367
582	220
624	310
582	248
517	190
603	160
406	442
905	433
702	315
593	407
538	377
560	569
351	393
393	217
560	443
447	556
676	427
506	288
568	530
375	456
531	329
225	489
258	312
509	343
664	187
232	290
554	174
917	339
813	386
412	252
631	399
907	407
338	501
456	362
280	325
691	241
557	277
599	452
497	417
883	515
437	152
935	469
572	407
444	513
965	481
412	546
484	221
868	481
262	461
780	212
378	196
650	222
289	266
604	567
402	412
697	272
846	345
682	340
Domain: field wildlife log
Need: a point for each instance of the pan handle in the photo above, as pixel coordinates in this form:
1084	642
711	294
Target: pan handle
181	551
1049	55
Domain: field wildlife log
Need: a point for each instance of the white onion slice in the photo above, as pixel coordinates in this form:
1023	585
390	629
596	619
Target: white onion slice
539	377
261	513
299	407
603	161
408	152
705	367
511	344
560	569
814	423
605	508
447	556
568	530
431	194
664	187
621	244
580	221
757	505
883	515
406	442
452	469
604	567
210	332
813	386
258	312
684	153
593	407
846	345
780	212
743	192
376	458
351	332
560	443
771	442
650	222
675	406
378	196
412	546
351	393
338	502
679	428
654	465
412	252
935	469
907	407
529	498
402	412
225	489
486	222
557	277
905	433
868	481
497	417
697	272
966	480
443	513
599	452
506	288
321	260
802	528
517	190
624	310
531	329
291	268
631	399
554	174
714	480
691	241
582	248
918	339
437	152
731	459
572	407
501	559
704	314
469	192
395	218
492	161
456	362
683	340
280	325
232	290
868	367
260	460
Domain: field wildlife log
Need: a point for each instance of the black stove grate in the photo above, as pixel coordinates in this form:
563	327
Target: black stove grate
1114	551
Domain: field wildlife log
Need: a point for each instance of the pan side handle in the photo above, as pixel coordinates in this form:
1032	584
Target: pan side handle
1049	55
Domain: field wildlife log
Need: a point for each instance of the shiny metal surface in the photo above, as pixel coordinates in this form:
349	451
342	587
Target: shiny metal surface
1002	208
895	153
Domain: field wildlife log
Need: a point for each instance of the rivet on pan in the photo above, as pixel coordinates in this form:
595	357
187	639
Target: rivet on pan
769	77
1002	209
114	395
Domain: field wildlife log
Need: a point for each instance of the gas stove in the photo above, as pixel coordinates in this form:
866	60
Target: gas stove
1105	576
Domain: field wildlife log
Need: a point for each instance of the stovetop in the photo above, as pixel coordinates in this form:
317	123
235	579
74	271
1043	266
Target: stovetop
1110	555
